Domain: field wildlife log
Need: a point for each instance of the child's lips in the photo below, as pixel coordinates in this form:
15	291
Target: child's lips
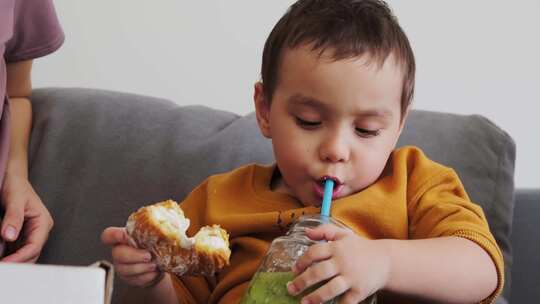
319	189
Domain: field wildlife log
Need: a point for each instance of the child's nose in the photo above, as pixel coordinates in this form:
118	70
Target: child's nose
334	149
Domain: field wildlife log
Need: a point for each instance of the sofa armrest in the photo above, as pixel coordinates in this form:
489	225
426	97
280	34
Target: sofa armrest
525	239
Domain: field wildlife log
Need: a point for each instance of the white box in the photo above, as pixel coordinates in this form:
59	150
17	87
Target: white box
53	284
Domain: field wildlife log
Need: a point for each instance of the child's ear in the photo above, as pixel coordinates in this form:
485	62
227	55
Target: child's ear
262	110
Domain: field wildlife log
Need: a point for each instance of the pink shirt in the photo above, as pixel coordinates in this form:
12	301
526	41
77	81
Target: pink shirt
28	29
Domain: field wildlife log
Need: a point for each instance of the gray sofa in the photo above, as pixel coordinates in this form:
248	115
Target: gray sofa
96	156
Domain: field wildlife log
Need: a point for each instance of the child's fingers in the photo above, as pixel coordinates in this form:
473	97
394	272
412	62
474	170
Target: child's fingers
114	235
315	253
141	280
129	270
125	254
313	275
327	232
328	291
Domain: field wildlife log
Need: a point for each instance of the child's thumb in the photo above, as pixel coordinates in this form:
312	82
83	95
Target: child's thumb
12	221
114	236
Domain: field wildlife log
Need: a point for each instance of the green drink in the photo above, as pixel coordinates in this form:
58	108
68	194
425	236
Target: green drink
270	287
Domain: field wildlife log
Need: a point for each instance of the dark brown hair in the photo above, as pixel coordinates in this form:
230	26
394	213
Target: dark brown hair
350	28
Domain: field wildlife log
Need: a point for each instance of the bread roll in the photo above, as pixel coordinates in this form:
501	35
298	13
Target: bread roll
161	229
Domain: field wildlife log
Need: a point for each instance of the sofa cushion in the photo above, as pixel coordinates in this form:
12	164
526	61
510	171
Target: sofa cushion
96	156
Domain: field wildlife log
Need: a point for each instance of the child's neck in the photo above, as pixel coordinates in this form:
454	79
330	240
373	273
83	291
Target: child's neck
277	184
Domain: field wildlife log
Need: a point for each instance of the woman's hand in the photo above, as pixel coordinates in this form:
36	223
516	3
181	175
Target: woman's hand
353	267
26	220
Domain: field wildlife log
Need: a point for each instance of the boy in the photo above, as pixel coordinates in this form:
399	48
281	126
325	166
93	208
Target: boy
337	82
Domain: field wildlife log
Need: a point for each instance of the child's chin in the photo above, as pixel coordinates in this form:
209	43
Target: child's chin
311	203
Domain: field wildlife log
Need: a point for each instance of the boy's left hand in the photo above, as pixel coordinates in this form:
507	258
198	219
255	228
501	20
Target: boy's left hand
354	266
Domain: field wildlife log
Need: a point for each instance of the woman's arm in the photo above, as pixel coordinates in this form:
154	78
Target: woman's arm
21	203
19	88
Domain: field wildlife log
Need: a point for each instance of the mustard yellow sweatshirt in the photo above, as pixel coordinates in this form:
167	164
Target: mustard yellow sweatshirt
414	198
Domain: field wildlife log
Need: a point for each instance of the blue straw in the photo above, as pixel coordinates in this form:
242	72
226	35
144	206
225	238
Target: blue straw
327	197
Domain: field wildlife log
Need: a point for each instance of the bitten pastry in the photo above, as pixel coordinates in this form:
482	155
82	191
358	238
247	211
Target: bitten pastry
161	229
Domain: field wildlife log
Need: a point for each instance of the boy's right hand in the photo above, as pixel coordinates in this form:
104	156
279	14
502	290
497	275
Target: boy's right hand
133	265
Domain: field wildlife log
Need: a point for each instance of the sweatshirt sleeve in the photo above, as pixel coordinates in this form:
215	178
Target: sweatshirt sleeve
440	207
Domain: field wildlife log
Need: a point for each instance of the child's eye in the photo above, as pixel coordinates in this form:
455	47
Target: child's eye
307	124
367	133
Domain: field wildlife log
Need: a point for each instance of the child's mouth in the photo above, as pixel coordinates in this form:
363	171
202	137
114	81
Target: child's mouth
319	186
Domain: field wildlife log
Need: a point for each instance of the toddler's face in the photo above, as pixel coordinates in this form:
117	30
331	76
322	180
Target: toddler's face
331	119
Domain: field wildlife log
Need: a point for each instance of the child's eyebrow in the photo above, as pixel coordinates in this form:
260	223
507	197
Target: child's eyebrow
302	100
377	113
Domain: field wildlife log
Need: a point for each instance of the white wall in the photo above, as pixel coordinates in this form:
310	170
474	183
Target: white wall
473	56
